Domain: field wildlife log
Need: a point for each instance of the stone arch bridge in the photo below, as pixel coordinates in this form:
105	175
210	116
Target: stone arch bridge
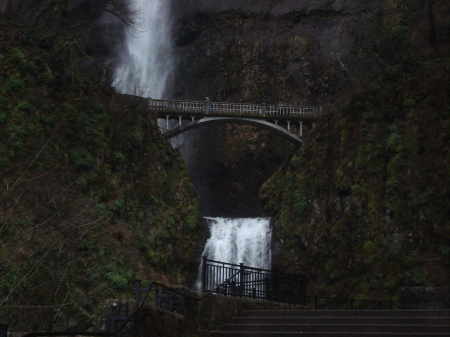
287	121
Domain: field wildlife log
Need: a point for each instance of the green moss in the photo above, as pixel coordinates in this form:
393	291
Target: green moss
14	85
369	186
106	196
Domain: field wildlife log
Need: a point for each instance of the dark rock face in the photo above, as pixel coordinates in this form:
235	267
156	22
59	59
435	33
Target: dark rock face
287	45
295	52
270	7
228	164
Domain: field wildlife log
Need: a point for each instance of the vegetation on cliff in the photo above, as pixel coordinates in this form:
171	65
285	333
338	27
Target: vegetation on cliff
363	207
91	197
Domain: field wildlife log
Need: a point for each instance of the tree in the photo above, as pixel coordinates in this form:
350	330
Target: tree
71	14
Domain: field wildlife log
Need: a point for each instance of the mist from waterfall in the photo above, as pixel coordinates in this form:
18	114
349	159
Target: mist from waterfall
146	62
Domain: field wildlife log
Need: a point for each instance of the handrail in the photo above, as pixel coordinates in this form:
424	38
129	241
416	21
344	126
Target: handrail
348	303
231	108
198	299
254	268
218	287
86	333
124	323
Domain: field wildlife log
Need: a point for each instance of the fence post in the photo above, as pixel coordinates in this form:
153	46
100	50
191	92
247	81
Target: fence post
112	322
137	292
204	274
241	279
156	303
207	105
3	330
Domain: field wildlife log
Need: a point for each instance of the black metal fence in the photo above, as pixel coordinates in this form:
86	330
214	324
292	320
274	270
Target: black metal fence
249	282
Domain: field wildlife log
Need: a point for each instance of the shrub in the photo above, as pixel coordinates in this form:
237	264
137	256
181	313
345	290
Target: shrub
14	85
82	160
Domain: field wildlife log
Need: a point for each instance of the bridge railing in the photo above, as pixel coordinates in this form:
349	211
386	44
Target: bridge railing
226	108
292	110
181	106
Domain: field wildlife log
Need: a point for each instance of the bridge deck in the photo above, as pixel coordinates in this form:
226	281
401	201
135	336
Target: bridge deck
261	111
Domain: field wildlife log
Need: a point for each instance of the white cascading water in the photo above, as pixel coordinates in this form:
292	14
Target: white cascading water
240	240
144	70
147	62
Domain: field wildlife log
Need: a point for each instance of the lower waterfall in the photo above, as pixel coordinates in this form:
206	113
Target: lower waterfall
239	240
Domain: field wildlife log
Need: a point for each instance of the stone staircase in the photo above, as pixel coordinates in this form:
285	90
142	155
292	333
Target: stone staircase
330	323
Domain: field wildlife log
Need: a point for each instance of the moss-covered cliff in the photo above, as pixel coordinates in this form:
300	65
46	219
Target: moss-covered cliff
363	207
91	197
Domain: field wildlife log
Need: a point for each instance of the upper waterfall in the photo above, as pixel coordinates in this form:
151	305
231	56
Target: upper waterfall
146	62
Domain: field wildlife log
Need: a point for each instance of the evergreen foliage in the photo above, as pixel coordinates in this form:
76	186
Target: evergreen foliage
91	196
375	172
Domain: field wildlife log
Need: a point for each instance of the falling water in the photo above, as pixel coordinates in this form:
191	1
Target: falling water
144	69
240	240
146	63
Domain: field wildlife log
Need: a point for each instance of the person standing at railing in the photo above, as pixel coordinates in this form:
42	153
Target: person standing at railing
208	105
280	108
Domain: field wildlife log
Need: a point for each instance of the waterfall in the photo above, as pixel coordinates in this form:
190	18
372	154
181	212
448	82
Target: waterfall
144	69
146	62
240	240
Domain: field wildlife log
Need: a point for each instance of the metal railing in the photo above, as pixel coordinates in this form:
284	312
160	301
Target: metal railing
165	297
232	109
229	280
317	303
254	283
115	318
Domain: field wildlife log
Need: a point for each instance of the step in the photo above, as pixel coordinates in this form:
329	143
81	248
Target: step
380	328
337	323
345	313
321	334
343	320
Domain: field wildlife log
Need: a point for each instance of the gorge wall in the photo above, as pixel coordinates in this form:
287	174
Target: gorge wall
92	197
293	52
296	52
362	207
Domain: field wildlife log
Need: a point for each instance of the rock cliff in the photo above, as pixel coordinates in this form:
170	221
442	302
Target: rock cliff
362	207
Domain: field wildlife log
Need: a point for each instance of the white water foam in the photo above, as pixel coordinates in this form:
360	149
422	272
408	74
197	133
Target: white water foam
147	62
240	240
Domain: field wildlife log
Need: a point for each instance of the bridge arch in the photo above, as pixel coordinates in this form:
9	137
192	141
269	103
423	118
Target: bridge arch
263	124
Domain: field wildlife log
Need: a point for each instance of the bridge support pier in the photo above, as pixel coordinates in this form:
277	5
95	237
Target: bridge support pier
300	129
289	125
179	120
167	122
